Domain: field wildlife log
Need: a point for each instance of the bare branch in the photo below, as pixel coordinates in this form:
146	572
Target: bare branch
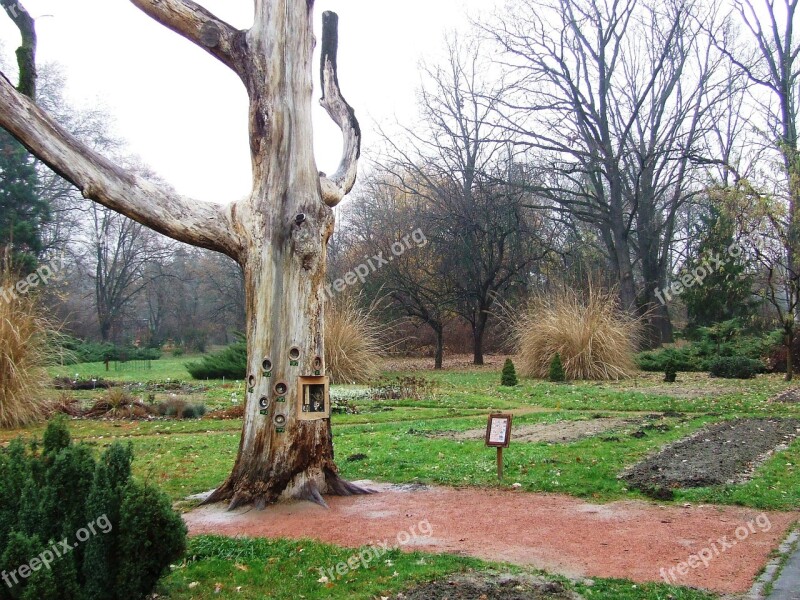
26	53
199	223
338	185
201	27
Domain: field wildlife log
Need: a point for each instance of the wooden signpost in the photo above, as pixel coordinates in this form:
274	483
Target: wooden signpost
498	435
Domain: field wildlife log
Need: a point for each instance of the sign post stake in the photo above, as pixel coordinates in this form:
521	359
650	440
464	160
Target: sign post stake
500	463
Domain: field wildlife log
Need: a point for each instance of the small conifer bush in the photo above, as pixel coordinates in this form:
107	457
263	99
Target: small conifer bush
557	374
509	375
670	371
121	535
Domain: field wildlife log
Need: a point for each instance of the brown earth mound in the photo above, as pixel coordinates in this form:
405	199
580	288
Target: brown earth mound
790	395
722	453
504	587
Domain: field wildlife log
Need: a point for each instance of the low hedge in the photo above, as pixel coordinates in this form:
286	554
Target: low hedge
736	367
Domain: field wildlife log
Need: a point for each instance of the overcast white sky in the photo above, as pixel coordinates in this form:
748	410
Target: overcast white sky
185	114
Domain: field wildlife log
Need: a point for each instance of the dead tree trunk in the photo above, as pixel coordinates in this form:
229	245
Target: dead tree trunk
278	235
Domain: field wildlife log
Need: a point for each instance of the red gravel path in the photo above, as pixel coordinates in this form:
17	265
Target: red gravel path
561	534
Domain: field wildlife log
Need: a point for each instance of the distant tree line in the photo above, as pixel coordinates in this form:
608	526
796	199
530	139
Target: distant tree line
570	141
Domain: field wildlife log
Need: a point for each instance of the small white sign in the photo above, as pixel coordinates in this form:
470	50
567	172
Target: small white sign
498	431
497	435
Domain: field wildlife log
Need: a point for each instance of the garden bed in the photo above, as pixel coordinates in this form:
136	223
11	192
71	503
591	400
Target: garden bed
726	452
504	587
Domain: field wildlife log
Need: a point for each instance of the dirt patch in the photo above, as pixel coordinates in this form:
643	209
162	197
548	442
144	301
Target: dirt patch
559	432
790	395
474	586
722	453
234	412
560	534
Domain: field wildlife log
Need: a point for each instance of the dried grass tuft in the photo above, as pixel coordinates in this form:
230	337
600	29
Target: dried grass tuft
25	351
596	341
353	342
118	403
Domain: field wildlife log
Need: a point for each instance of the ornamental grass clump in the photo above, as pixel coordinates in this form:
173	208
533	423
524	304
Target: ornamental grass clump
353	342
593	339
25	351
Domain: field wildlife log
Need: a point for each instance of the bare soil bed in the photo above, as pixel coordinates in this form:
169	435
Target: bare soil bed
504	587
559	432
689	386
790	395
722	453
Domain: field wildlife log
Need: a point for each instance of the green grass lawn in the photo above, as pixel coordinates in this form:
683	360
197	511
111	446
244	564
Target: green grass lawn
165	368
286	570
407	441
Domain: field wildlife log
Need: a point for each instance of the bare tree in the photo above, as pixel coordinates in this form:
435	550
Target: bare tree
611	101
223	285
771	64
453	163
69	210
120	251
278	234
191	297
415	282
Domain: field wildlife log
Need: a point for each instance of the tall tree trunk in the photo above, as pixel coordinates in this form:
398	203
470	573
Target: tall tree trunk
439	355
284	272
478	331
105	329
616	239
284	311
658	328
662	322
278	235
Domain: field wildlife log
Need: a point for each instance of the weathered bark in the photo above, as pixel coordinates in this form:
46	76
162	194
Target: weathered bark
286	256
26	53
278	235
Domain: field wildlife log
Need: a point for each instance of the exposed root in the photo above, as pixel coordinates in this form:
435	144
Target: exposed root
239	500
310	492
307	486
222	493
340	487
